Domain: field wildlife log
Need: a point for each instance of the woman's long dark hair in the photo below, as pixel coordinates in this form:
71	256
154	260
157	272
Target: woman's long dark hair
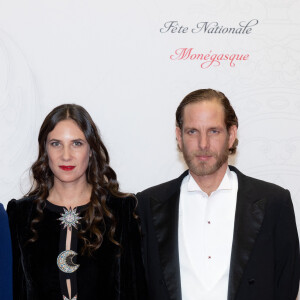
99	175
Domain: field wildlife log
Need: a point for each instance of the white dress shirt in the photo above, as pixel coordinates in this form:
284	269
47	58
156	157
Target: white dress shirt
205	235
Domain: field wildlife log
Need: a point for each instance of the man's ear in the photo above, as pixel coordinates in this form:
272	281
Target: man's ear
232	135
179	138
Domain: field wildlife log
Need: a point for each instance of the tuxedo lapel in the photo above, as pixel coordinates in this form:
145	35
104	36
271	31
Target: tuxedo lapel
248	219
165	214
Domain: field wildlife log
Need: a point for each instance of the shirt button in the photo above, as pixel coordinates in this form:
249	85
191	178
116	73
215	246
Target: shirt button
208	222
209	257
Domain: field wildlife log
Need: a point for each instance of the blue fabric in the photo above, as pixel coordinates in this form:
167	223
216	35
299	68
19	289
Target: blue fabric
5	257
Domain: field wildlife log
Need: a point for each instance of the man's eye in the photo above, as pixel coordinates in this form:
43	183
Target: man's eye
191	131
214	131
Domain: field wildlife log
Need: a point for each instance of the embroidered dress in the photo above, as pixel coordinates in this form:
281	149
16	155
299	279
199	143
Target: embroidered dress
66	261
110	273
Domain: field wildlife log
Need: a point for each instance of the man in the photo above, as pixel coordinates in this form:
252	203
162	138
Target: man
214	233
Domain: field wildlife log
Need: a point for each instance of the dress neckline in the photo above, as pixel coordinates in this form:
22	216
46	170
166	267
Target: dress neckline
60	209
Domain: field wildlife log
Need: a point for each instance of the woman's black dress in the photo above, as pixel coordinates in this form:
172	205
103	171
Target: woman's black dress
46	270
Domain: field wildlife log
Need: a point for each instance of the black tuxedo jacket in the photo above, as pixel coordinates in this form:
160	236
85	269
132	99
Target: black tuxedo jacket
265	261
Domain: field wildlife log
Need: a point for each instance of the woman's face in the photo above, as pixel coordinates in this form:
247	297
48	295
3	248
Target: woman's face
68	152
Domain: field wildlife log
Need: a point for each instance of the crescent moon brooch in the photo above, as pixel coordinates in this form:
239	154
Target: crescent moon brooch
65	262
70	218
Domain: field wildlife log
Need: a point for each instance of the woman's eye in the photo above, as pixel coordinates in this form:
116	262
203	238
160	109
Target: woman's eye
54	144
77	143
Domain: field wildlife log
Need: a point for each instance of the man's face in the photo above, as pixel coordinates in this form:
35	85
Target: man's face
204	139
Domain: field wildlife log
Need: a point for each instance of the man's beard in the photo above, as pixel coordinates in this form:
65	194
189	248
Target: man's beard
202	168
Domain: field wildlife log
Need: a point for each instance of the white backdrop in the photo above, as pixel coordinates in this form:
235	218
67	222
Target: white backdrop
114	58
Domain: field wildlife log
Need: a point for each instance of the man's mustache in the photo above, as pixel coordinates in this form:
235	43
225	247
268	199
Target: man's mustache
204	153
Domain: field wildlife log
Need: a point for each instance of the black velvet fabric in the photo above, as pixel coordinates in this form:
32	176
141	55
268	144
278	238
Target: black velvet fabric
106	275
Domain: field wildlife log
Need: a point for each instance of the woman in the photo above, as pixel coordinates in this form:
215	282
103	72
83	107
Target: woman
75	236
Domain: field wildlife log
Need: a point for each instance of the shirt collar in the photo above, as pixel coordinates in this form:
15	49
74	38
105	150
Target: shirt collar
226	183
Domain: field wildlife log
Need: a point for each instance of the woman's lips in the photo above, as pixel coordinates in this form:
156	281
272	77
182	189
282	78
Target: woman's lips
67	168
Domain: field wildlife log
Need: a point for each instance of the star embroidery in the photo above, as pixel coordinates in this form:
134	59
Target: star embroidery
69	218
